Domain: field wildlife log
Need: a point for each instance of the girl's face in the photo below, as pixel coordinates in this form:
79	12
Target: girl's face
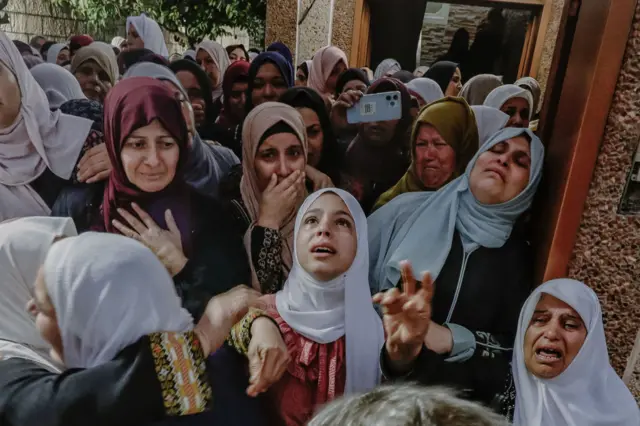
268	85
279	154
134	41
209	66
315	135
333	77
237	55
10	97
46	321
63	56
518	111
94	81
327	241
455	85
301	78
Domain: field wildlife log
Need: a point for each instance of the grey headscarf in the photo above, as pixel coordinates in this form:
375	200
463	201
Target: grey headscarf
153	70
54	51
476	90
388	66
58	84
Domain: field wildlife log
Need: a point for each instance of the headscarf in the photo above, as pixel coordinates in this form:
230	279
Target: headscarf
159	72
103	55
37	140
117	41
324	311
107	302
305	67
238	71
386	67
489	121
189	54
588	392
436	216
420	71
532	85
258	122
24	244
267	58
86	108
456	123
54	51
220	58
350	75
32	61
476	90
324	61
131	57
205	87
428	89
79	41
23	48
284	50
442	73
150	33
331	156
133	103
404	76
58	84
498	97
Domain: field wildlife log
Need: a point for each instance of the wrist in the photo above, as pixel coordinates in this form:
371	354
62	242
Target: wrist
439	339
268	222
260	324
402	357
178	264
202	338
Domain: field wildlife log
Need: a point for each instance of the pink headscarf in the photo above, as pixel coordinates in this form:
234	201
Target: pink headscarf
323	63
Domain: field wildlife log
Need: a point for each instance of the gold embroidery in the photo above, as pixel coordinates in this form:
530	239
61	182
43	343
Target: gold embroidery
240	336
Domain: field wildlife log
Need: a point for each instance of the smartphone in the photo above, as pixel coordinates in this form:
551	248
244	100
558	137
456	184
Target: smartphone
376	107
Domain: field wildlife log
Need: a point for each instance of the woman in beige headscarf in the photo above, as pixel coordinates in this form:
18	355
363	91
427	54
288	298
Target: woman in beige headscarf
272	188
476	90
328	63
96	69
214	60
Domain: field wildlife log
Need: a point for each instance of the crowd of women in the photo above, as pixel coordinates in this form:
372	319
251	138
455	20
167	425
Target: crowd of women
206	239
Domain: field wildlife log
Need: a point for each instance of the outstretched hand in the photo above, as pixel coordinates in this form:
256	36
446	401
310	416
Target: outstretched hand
268	356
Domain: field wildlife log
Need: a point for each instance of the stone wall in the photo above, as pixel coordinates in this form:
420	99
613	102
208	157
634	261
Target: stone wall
343	20
607	250
282	22
313	34
550	43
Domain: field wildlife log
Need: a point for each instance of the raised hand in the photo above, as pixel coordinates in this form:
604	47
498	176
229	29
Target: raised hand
166	244
339	109
94	166
268	356
407	315
279	200
319	179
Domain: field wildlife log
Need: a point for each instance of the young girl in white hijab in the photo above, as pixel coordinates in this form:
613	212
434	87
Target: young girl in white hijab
324	311
24	244
144	32
214	60
561	366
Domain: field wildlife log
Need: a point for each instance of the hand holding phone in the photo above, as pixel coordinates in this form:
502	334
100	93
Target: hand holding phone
385	106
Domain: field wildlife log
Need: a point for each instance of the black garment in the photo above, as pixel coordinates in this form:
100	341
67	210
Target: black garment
218	263
495	285
350	75
442	73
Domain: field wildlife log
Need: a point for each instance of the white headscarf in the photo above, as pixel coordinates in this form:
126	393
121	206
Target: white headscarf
387	67
326	311
588	392
108	291
117	41
428	89
499	96
190	54
489	121
24	244
220	58
58	84
420	71
37	140
54	51
150	32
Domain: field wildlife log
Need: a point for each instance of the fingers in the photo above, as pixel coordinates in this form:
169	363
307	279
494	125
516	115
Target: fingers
171	223
133	221
95	151
147	219
428	286
409	282
103	175
272	183
289	180
127	232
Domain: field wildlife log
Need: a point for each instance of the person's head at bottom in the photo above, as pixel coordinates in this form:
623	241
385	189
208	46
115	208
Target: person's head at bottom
407	405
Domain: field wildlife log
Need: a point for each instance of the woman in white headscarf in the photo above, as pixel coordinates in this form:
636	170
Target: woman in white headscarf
144	32
327	65
118	42
39	149
24	244
324	311
58	84
214	60
561	366
387	68
514	101
428	90
58	54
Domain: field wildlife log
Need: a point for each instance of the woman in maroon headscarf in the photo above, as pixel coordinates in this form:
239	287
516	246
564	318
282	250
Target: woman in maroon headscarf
234	89
146	197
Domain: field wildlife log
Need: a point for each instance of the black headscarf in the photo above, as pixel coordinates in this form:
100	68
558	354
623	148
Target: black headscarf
350	75
404	76
131	57
442	73
274	58
332	154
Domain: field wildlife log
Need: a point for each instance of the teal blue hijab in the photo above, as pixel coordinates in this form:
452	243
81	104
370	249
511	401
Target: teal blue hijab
420	226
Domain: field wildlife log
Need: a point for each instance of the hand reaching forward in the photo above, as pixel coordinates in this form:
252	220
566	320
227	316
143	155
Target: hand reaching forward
268	356
407	315
166	244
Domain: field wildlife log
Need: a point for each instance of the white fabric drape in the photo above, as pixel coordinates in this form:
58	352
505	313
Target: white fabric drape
150	32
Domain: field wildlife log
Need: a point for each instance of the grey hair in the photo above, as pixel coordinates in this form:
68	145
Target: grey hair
407	405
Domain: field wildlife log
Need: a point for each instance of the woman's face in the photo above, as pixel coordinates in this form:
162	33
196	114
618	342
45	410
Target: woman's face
553	339
150	156
279	154
93	80
196	97
10	97
46	320
380	133
268	85
502	172
327	241
315	135
435	159
237	55
355	85
238	99
333	77
134	41
455	85
63	56
209	66
518	111
301	78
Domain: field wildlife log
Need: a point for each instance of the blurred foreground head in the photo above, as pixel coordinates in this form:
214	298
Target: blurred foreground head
406	406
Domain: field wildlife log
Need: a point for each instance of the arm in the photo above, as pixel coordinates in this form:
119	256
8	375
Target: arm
138	387
208	165
266	258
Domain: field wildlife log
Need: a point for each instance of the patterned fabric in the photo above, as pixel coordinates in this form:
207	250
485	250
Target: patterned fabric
85	108
240	336
182	372
95	138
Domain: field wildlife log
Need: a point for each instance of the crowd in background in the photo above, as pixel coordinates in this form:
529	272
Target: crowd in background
206	238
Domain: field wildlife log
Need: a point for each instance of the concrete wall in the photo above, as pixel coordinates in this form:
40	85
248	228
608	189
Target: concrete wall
607	251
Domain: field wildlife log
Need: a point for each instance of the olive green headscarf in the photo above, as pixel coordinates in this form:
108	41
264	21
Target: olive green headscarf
454	119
